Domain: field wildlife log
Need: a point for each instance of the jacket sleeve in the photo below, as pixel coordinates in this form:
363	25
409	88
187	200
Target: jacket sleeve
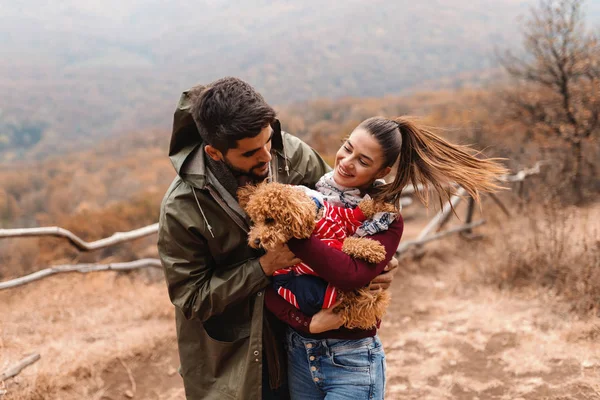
338	268
305	160
196	284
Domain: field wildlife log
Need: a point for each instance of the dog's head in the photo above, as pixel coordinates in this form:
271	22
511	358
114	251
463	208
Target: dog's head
279	212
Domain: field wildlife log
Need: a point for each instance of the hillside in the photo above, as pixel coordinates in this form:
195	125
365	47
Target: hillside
509	314
78	71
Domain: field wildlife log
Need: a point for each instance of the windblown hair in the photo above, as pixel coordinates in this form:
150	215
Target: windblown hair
425	158
229	110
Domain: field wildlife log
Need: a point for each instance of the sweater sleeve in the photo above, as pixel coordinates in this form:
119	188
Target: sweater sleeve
286	312
338	268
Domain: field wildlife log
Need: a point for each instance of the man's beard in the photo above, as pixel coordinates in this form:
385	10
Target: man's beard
249	175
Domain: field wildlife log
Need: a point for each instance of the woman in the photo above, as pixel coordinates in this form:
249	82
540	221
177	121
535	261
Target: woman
324	360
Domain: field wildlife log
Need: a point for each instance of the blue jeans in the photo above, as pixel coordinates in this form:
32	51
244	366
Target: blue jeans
335	369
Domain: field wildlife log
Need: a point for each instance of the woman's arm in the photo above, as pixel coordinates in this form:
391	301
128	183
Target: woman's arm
338	268
286	312
324	320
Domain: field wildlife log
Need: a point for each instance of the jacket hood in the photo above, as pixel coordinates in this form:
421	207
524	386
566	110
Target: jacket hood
185	148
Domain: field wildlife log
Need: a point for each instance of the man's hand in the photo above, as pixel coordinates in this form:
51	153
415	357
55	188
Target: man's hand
384	280
326	320
278	258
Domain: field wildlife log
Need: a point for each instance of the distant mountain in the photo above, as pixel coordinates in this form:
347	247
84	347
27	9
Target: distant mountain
83	69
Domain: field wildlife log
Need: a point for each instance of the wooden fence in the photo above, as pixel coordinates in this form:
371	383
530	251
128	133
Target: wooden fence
430	233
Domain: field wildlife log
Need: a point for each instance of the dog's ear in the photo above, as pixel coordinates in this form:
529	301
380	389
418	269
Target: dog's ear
302	216
244	193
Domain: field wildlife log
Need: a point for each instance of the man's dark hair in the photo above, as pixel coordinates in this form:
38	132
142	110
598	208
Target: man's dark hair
229	110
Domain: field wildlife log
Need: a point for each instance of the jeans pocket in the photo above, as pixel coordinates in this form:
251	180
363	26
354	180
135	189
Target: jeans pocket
352	359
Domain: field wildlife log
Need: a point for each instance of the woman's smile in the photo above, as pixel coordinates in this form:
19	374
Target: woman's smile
359	161
343	172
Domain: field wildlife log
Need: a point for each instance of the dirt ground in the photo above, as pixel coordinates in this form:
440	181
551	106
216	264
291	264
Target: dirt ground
109	336
444	342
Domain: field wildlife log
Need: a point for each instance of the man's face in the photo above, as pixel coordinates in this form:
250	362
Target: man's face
251	157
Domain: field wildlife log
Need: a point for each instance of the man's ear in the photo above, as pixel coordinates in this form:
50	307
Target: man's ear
213	153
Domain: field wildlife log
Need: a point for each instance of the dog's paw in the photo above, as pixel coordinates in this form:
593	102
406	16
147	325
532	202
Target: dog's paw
362	309
365	249
370	207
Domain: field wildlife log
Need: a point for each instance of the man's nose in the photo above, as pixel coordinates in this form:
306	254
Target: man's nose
264	155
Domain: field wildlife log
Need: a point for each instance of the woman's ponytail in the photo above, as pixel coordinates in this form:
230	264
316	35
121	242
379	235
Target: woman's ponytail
427	159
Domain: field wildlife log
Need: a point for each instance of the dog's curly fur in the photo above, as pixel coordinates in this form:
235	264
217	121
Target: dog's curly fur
280	212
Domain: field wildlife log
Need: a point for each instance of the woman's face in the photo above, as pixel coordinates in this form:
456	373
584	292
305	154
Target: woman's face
359	161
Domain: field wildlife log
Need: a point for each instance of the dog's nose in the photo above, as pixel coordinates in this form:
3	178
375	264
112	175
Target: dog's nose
257	242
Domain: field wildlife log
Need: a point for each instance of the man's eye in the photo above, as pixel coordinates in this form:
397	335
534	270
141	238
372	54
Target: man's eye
363	163
347	149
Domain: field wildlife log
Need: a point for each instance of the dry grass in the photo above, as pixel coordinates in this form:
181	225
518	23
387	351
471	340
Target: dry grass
80	324
548	246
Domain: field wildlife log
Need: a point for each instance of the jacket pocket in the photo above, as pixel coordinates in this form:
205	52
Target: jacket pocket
224	360
222	332
213	367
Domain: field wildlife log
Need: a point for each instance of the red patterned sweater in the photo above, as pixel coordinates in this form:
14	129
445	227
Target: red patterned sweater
336	225
339	269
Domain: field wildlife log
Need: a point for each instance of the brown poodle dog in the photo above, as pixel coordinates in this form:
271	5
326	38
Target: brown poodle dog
281	212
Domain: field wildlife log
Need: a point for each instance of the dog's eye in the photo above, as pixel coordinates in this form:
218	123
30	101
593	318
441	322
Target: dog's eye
269	221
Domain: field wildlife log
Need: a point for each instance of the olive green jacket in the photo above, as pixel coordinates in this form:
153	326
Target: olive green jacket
214	278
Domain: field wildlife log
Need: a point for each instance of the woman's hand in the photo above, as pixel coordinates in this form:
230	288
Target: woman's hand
384	280
326	320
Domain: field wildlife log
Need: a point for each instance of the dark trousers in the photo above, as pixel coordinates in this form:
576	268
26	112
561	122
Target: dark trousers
281	393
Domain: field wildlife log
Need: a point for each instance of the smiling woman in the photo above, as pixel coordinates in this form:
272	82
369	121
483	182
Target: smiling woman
423	158
359	161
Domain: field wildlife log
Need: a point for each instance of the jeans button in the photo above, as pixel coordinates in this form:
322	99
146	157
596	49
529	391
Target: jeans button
309	346
311	358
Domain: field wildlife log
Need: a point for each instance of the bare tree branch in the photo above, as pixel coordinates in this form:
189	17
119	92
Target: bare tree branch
130	393
83	268
524	173
499	204
443	214
118	237
404	246
20	366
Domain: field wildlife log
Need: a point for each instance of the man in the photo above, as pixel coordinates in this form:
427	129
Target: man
225	136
